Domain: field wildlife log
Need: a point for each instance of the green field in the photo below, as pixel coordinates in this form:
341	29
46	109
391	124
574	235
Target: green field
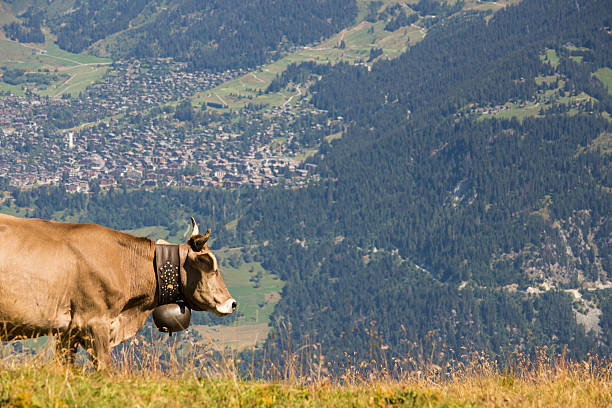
605	76
81	70
15	211
255	301
550	57
515	110
521	110
334	136
80	78
603	143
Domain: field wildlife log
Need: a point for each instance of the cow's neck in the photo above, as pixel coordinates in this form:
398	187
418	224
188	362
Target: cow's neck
138	256
167	272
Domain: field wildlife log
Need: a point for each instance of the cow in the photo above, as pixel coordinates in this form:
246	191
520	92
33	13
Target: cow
93	286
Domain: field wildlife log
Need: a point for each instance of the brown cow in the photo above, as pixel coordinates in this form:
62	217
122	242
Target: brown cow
91	285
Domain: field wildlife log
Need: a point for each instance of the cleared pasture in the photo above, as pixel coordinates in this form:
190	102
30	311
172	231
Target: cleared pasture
82	70
605	76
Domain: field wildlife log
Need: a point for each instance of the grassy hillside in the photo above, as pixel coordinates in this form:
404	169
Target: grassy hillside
257	289
74	72
352	45
68	73
605	76
551	385
413	175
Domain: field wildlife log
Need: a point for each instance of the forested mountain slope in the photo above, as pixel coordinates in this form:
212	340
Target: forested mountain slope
466	205
211	34
501	215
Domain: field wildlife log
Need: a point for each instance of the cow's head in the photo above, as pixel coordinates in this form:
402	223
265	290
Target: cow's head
203	286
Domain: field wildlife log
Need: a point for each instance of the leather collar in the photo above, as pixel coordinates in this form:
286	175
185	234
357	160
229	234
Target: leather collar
167	267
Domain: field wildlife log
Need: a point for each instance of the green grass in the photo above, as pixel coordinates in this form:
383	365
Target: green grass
53	51
582	96
83	70
306	153
334	136
81	77
550	56
532	108
14	89
255	303
15	211
603	142
45	384
548	79
25	388
65	216
514	110
605	76
232	225
362	7
13	54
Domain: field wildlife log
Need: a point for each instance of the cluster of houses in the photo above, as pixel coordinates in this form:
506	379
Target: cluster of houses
252	147
134	85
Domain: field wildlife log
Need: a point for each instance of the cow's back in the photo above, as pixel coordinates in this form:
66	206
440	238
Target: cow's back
50	271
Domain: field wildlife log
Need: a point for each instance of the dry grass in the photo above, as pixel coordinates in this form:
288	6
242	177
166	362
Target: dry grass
147	375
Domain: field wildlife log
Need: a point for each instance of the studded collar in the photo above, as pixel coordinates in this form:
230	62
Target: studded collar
167	267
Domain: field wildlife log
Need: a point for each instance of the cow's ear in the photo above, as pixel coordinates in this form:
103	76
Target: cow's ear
197	242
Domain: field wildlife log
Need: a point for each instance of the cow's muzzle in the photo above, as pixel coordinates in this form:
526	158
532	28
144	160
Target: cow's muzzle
226	307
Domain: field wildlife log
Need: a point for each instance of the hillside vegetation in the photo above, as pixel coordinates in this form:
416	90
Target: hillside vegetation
213	35
463	203
436	227
551	385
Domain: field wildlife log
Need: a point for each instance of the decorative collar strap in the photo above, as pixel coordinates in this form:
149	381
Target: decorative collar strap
167	266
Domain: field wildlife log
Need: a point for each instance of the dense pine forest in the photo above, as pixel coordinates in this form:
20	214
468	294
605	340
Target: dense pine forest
431	223
213	35
434	230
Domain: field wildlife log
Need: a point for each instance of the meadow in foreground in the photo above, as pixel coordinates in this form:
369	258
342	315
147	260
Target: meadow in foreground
36	380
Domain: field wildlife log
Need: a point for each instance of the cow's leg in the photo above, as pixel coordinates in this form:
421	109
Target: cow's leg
97	344
66	347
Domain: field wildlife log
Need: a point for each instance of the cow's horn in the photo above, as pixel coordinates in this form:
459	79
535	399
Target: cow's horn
207	235
196	230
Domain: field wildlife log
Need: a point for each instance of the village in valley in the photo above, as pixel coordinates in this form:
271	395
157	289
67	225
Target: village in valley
144	123
137	127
